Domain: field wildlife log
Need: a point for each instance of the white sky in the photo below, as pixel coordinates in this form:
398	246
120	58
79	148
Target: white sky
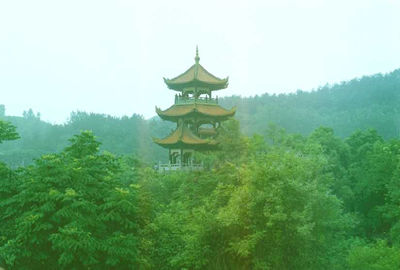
110	56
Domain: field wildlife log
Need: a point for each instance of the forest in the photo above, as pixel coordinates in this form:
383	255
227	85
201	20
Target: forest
308	180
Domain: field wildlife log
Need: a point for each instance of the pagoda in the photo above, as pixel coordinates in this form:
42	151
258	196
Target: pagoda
196	113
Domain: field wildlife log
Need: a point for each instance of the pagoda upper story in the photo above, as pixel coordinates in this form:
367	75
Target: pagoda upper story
195	100
196	80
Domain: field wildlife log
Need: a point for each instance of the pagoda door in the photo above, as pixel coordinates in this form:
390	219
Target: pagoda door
187	157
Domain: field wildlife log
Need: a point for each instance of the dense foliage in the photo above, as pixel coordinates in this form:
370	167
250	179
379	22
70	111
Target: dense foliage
70	210
271	201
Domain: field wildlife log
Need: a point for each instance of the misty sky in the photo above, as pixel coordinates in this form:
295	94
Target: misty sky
110	56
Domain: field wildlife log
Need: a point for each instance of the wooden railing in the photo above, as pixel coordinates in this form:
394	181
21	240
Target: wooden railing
191	100
168	167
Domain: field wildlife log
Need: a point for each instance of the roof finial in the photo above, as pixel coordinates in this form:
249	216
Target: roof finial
197	58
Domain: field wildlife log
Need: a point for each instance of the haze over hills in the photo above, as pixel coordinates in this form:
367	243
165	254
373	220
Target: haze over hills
363	103
367	102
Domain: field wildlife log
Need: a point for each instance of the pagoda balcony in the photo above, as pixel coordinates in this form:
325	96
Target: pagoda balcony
192	100
162	168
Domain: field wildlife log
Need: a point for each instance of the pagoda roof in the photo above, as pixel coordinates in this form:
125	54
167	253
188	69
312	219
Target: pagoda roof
195	109
183	137
196	77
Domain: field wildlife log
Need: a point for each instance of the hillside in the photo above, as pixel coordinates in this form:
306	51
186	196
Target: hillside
123	136
367	102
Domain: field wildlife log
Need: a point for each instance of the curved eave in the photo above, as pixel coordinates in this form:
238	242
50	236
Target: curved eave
183	137
196	83
204	144
193	113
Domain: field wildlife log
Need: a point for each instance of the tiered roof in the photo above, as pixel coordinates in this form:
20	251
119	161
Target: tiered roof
203	110
196	78
183	137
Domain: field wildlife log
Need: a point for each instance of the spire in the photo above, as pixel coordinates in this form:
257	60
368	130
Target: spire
196	67
197	58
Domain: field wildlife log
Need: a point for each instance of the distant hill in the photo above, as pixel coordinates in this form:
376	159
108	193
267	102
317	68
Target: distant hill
367	102
119	135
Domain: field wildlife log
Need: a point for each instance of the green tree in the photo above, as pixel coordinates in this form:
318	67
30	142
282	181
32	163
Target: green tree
72	212
282	216
375	256
2	110
372	165
271	210
7	132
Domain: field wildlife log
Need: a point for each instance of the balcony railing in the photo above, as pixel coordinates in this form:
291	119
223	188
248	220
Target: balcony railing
179	167
191	100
